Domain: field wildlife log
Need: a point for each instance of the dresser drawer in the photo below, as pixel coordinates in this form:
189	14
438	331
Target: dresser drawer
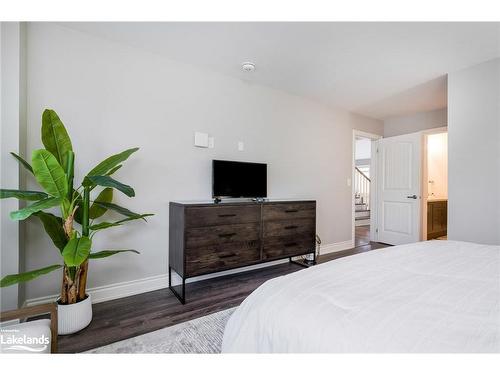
279	247
285	211
219	234
216	258
279	228
220	215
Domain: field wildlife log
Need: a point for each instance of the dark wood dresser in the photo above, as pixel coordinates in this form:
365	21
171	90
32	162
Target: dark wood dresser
211	237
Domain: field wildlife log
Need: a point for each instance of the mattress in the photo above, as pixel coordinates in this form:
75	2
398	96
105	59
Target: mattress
434	296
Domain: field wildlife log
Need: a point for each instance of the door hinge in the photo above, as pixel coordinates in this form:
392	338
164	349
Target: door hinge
376	230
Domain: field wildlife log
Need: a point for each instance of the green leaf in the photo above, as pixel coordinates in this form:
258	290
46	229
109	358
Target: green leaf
106	224
53	225
97	211
111	162
108	253
26	195
55	138
76	251
35	207
121	210
27	276
23	162
110	182
49	173
113	170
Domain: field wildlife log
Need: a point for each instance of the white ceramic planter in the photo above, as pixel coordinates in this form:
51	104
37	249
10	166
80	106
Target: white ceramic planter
75	317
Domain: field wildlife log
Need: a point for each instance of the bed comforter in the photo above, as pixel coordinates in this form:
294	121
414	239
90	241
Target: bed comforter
435	296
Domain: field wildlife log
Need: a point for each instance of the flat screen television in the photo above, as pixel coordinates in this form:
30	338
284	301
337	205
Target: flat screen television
236	179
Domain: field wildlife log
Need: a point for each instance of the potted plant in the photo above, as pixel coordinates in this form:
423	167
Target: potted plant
53	169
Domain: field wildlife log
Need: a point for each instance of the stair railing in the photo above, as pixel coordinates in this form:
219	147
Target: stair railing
362	187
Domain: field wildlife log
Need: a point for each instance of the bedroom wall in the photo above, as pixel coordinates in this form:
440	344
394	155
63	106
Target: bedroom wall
112	97
13	121
415	123
474	153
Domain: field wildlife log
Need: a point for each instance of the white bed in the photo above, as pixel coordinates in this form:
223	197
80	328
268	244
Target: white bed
435	296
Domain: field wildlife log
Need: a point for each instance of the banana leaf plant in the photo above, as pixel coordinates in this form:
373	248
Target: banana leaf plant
71	232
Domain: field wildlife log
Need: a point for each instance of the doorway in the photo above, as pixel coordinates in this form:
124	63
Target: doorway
363	178
435	186
412	187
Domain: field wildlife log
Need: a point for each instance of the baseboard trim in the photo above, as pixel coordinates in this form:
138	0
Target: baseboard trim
149	284
114	291
337	246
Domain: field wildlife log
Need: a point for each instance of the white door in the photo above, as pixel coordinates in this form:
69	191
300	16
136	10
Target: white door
399	189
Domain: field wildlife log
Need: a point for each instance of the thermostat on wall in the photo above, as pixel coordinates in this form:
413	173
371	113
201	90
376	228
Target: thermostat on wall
201	139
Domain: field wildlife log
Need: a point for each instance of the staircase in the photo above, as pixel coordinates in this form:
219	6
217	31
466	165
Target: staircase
361	197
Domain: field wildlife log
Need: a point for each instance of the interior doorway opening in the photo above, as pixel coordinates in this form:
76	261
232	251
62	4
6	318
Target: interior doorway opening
435	186
363	176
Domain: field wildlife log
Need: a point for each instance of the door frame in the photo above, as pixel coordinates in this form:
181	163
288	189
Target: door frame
373	179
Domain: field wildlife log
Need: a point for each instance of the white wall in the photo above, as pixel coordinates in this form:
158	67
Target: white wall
437	165
474	154
12	117
415	123
112	97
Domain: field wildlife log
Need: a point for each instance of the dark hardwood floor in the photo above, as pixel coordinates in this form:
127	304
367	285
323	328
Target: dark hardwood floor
135	315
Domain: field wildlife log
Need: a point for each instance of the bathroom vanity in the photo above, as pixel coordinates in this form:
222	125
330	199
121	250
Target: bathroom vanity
437	217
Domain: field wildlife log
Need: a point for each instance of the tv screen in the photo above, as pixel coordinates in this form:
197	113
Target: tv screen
237	179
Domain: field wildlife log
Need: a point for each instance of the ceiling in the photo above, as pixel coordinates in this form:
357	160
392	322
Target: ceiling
375	69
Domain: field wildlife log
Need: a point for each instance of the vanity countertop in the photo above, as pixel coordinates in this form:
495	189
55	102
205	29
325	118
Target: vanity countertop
436	199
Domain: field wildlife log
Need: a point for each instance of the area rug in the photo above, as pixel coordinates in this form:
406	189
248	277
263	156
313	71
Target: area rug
201	335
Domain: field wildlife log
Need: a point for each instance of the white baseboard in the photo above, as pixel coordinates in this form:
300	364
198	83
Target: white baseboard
149	284
114	291
337	246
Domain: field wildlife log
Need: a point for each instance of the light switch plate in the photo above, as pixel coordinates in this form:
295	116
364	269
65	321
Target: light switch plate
241	146
211	142
201	139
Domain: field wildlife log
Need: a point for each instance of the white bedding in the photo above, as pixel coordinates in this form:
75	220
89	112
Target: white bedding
435	296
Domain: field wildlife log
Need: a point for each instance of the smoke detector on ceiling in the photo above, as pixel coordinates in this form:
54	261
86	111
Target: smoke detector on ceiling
248	66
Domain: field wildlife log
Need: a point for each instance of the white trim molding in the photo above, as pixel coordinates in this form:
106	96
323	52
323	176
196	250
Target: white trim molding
337	246
149	284
114	291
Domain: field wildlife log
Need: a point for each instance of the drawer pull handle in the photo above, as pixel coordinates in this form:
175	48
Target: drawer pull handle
291	227
290	211
291	244
226	235
227	215
227	255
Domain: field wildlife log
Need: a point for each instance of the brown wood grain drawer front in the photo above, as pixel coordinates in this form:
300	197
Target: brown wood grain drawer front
219	257
220	215
275	228
285	211
277	247
220	234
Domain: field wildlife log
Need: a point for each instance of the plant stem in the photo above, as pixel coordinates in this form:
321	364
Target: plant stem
85	211
70	161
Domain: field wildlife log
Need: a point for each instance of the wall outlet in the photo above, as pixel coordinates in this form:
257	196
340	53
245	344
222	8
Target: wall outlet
241	146
211	142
